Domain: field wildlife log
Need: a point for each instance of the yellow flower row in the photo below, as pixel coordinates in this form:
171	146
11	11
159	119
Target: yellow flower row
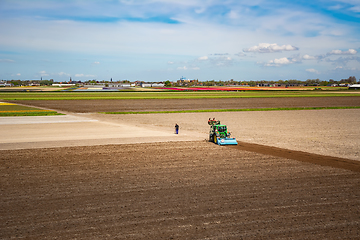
4	103
26	111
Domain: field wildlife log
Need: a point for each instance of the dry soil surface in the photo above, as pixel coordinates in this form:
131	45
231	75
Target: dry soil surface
187	190
290	177
83	106
331	132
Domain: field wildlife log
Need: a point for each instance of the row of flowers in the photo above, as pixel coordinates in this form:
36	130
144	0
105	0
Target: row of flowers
4	103
207	88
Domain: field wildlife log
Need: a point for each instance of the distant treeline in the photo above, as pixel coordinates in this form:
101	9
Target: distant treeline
291	82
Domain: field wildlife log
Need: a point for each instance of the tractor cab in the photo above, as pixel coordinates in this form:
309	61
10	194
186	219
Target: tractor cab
221	130
218	134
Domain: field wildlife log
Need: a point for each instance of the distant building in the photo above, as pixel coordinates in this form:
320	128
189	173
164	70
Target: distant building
119	85
4	84
186	82
62	85
354	87
146	85
149	85
157	85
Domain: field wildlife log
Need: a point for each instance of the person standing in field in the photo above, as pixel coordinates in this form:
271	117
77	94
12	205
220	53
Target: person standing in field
176	128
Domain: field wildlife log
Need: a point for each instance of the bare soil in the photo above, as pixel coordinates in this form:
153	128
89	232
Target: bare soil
188	190
330	132
259	189
85	106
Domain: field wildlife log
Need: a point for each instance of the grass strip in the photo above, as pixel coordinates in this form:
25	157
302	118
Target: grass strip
26	111
232	110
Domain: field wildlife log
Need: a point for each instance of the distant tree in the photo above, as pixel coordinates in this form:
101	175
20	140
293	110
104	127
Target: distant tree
349	80
46	83
16	82
312	82
167	83
324	83
352	79
252	83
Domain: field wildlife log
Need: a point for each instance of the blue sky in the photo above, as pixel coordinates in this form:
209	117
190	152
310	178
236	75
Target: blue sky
158	40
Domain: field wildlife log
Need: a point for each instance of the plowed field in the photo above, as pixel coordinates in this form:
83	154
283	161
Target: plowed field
84	106
188	189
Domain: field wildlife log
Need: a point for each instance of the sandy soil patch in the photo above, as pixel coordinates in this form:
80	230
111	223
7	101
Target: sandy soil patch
325	132
70	130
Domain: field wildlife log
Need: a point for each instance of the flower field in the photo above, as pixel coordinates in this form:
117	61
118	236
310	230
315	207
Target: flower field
11	109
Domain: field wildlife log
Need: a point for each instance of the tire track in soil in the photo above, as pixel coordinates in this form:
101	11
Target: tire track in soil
322	160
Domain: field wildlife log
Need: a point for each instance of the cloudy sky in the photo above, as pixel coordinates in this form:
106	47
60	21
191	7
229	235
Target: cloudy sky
157	40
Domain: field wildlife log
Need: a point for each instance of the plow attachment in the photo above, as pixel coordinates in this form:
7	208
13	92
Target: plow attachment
226	141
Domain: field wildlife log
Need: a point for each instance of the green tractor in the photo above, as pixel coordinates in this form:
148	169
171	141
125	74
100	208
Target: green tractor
219	134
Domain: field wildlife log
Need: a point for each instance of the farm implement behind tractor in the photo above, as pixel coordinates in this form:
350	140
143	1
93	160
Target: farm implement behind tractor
219	134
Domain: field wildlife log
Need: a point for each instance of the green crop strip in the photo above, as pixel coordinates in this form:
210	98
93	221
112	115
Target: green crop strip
44	113
232	110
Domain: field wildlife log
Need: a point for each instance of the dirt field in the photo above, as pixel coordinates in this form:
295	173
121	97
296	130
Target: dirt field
290	177
85	106
188	190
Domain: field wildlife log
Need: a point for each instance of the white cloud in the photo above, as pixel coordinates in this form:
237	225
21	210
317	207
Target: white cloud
203	58
335	7
170	62
355	9
343	60
270	47
221	61
240	54
63	74
84	75
340	52
312	70
280	62
182	68
188	68
18	74
43	73
220	54
233	15
308	57
96	62
283	60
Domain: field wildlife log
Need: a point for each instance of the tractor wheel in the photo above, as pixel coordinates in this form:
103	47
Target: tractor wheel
211	138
